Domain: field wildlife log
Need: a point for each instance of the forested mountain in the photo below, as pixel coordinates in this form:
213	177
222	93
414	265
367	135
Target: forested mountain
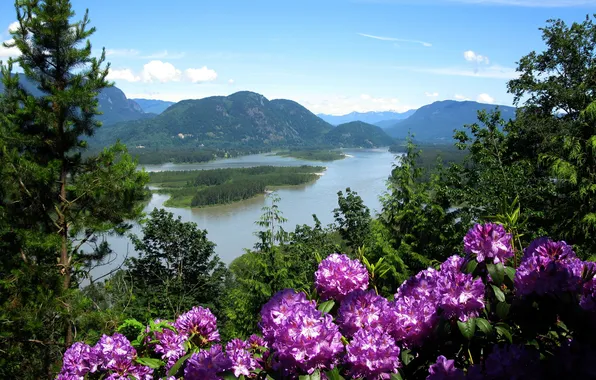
358	134
367	117
153	105
242	119
113	104
435	122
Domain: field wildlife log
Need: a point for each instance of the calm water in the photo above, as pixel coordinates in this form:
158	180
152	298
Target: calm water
231	227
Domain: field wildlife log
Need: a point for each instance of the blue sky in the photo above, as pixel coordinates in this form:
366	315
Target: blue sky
332	56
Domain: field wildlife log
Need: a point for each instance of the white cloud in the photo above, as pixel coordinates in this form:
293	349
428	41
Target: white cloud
200	75
231	81
12	27
431	94
365	97
485	98
165	54
460	97
123	74
158	71
473	57
425	44
122	52
493	71
11	52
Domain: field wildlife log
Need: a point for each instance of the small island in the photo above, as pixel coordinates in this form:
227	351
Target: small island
198	188
313	154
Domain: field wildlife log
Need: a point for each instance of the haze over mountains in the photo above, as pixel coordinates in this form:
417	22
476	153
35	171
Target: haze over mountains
247	119
153	105
367	117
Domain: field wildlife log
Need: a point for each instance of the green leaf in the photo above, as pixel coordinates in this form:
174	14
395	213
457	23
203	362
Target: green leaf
471	267
334	374
497	273
484	326
467	328
407	357
498	293
510	273
396	376
150	362
326	307
316	375
176	367
503	310
503	332
229	375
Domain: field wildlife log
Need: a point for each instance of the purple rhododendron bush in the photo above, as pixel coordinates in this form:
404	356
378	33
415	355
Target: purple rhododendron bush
474	316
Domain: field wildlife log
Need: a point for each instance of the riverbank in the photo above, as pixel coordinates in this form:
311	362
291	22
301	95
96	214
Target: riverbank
199	188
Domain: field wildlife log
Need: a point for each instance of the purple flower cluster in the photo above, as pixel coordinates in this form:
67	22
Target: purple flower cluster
423	298
207	364
242	360
171	345
488	242
372	354
548	267
362	309
301	337
200	323
278	308
337	276
112	353
444	369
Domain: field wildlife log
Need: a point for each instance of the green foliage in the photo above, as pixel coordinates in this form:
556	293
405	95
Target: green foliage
176	268
353	218
419	214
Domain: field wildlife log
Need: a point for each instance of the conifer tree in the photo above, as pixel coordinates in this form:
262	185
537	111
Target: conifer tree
54	198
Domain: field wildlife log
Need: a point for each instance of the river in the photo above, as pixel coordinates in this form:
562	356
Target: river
231	227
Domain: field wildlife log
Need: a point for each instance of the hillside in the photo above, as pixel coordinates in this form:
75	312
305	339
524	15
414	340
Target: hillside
367	117
435	122
113	104
243	119
358	134
153	105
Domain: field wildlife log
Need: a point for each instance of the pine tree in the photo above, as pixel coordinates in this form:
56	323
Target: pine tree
55	199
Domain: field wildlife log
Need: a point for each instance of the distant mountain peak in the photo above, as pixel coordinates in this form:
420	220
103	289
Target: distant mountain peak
436	122
371	117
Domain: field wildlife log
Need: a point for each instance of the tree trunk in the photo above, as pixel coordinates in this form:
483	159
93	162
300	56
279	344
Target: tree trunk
64	259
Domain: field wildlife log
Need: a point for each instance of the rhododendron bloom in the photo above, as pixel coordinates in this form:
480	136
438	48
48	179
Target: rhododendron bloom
488	242
337	276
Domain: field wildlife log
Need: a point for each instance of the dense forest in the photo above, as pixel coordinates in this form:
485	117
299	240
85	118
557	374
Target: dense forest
478	268
219	186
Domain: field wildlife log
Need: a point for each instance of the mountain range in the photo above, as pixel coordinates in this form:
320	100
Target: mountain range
113	103
436	122
247	119
367	117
